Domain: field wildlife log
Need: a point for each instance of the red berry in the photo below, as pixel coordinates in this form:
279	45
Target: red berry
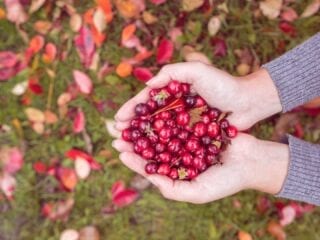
148	153
151	168
190	101
142	109
165	132
152	105
199	163
173	173
159	147
186	159
183	135
144	125
158	124
164	115
200	102
183	118
200	129
224	123
153	138
213	129
174	87
205	118
231	131
192	145
211	159
200	152
127	135
171	123
192	173
213	113
213	149
175	131
164	157
174	146
141	144
185	88
153	92
206	140
135	123
135	134
163	169
164	140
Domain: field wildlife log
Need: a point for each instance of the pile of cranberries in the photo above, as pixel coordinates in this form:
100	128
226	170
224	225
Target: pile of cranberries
178	133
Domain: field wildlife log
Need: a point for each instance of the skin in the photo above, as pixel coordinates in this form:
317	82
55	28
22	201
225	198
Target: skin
249	163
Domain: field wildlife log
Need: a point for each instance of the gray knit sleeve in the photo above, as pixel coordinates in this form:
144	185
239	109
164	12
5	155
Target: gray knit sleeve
296	74
303	179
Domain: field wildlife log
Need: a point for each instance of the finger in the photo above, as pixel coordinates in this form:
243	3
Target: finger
122	125
126	112
122	146
183	72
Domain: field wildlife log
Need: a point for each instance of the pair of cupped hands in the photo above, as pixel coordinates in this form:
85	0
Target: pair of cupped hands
248	163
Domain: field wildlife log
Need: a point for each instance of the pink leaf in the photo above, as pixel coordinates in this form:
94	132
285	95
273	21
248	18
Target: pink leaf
220	47
142	74
289	15
164	51
79	122
288	214
15	161
15	11
10	65
7	185
85	46
125	197
158	2
83	81
117	187
74	153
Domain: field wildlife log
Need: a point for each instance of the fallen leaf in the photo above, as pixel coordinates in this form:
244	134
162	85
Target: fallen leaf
214	25
311	9
36	5
50	117
36	44
128	32
125	197
67	177
174	34
124	69
189	6
164	51
99	20
149	18
79	121
7	185
19	88
42	27
2	13
38	127
39	167
271	8
158	2
11	159
106	6
50	53
263	204
34	115
34	85
143	74
83	81
89	233
59	210
110	125
276	230
15	11
98	37
75	153
82	168
69	234
288	215
289	15
242	235
75	22
117	187
127	8
288	28
85	46
10	65
220	47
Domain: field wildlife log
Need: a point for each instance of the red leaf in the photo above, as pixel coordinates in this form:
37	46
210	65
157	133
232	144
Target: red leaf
85	46
220	47
36	44
83	81
79	122
117	187
74	153
158	2
59	210
10	65
67	177
298	130
50	53
34	86
288	29
125	197
142	74
164	51
40	167
289	15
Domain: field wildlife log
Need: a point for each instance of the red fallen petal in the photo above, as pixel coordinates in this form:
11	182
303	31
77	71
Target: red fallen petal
288	29
142	74
85	46
67	177
220	47
34	86
36	44
7	185
302	208
50	53
117	187
39	167
8	59
15	161
46	209
288	215
158	2
125	197
164	51
98	37
107	8
74	153
83	81
95	165
298	130
79	122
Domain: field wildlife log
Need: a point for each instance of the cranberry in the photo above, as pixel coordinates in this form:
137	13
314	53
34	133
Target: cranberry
183	135
183	118
148	153
164	140
171	123
153	92
164	157
213	113
192	145
179	109
200	129
206	140
163	169
158	124
152	105
174	146
165	132
127	135
174	87
159	147
213	149
231	131
190	101
213	129
192	173
199	102
135	123
175	131
151	168
141	144
144	125
200	152
186	159
135	134
211	159
185	88
224	123
164	115
173	173
142	109
199	163
205	119
153	138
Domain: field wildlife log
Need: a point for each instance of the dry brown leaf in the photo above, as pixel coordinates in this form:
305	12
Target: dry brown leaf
127	8
271	8
50	117
89	233
34	115
242	235
42	27
99	20
36	5
189	6
311	9
214	25
75	22
276	230
69	234
148	18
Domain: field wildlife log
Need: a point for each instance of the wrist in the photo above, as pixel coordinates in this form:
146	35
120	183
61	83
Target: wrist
269	166
262	94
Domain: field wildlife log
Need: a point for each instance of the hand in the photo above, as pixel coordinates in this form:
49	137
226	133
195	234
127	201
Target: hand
247	163
249	98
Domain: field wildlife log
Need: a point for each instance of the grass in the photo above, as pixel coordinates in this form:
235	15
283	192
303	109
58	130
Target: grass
151	217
